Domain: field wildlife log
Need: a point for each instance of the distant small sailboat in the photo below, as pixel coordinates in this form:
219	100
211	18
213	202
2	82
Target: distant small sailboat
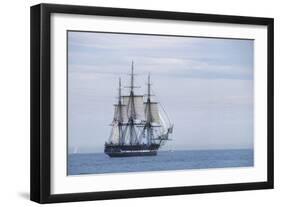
139	128
75	151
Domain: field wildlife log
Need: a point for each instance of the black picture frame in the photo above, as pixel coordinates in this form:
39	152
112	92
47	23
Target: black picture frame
41	102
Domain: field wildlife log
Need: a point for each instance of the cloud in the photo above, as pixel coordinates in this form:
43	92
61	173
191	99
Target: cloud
181	56
118	42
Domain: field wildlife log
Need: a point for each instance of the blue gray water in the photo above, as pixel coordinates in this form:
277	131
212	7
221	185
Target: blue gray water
96	163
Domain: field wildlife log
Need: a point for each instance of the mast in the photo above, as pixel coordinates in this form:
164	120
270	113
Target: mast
120	119
149	116
132	115
119	92
148	125
132	104
132	77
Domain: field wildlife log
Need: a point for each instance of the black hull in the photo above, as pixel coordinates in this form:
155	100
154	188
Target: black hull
131	150
131	154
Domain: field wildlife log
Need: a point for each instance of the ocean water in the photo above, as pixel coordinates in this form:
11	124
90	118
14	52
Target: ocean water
97	163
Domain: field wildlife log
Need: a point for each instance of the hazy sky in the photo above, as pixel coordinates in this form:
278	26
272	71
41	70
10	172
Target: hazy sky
205	85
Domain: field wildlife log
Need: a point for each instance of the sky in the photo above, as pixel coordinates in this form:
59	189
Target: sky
205	85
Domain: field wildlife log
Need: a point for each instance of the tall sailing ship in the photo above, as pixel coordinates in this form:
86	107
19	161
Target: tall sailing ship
140	125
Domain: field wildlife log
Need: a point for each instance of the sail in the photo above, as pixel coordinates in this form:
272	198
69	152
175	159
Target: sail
117	113
124	113
115	117
138	105
115	133
154	112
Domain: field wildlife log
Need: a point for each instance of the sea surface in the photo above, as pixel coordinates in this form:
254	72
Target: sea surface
97	163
